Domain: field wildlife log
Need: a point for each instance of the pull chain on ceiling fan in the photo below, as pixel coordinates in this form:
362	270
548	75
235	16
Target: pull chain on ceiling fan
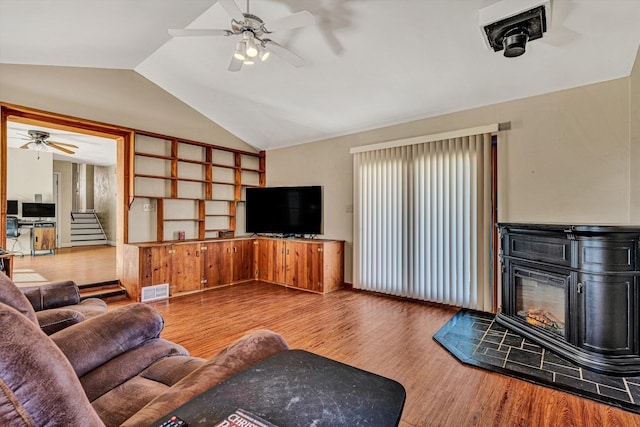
254	32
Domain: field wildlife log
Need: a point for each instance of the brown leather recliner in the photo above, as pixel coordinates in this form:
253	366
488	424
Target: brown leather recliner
58	305
111	370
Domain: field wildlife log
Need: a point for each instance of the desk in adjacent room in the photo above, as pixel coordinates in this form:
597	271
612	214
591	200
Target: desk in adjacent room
43	236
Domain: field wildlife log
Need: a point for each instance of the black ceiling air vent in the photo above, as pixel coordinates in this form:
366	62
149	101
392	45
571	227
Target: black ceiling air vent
512	34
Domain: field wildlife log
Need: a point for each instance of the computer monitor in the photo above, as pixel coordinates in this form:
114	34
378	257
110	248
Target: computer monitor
12	207
38	210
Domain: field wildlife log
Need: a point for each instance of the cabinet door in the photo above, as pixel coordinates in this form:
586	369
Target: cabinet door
216	266
156	266
271	259
44	238
242	260
605	301
304	265
186	266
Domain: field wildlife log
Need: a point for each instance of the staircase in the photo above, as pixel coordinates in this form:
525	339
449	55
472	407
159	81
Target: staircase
109	291
86	229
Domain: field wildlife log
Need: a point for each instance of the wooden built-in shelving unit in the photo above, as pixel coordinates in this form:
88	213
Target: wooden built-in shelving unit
193	183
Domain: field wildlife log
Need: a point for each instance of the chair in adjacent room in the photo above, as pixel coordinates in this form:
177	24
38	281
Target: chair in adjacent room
13	233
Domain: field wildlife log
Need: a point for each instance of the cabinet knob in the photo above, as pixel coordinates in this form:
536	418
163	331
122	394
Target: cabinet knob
580	286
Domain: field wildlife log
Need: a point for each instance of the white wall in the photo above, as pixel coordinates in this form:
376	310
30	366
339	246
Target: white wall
28	175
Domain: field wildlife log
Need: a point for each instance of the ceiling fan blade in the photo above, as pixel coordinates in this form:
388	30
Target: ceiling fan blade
235	64
64	144
284	53
198	32
232	9
297	20
26	145
57	147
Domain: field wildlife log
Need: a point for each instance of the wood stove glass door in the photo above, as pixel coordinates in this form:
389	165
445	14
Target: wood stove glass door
541	299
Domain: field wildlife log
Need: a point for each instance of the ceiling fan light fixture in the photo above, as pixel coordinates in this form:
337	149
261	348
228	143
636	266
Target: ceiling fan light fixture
264	53
240	53
252	50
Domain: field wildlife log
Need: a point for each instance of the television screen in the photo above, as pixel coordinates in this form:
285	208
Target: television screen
284	210
12	207
38	210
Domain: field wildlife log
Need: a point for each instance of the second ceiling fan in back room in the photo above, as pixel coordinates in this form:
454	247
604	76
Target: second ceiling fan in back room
41	140
254	43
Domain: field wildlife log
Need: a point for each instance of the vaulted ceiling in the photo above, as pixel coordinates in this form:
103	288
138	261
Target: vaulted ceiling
369	63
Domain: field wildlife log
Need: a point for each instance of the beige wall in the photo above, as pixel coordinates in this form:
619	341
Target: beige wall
634	133
104	199
565	160
65	169
118	97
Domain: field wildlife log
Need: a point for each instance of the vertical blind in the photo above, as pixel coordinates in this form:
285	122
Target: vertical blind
423	220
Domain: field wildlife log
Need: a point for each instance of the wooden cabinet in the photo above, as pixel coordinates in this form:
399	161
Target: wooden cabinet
188	266
216	268
312	265
242	260
271	260
43	238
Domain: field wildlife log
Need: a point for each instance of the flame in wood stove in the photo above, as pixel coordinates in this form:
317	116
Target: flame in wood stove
542	318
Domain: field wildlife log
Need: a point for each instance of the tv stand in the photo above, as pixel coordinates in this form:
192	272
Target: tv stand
195	265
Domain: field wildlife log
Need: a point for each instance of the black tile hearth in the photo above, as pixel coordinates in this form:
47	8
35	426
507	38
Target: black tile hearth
476	339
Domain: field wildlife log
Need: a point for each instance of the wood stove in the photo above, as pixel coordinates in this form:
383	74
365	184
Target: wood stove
574	290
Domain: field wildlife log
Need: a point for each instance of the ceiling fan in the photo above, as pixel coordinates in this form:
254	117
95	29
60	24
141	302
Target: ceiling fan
255	42
41	141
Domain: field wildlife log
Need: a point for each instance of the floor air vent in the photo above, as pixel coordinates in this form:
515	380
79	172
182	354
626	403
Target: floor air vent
155	292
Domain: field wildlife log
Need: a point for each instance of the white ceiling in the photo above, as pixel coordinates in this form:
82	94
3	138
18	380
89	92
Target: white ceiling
91	149
370	63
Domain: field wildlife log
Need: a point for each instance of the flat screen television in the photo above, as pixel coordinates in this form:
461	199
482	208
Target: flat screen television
12	207
38	210
284	210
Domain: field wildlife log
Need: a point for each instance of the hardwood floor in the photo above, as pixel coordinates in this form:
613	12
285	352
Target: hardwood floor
384	335
83	264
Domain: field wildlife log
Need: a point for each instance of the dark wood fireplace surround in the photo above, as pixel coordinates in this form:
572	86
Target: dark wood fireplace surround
598	267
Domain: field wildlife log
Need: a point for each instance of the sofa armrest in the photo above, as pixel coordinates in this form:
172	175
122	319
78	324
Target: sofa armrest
53	295
57	319
242	354
95	341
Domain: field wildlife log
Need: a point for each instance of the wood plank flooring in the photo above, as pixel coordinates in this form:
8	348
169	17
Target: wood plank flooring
83	264
384	335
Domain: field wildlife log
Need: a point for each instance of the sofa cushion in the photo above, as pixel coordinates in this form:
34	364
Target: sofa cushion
245	352
52	295
39	386
10	294
57	319
121	402
95	341
127	365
